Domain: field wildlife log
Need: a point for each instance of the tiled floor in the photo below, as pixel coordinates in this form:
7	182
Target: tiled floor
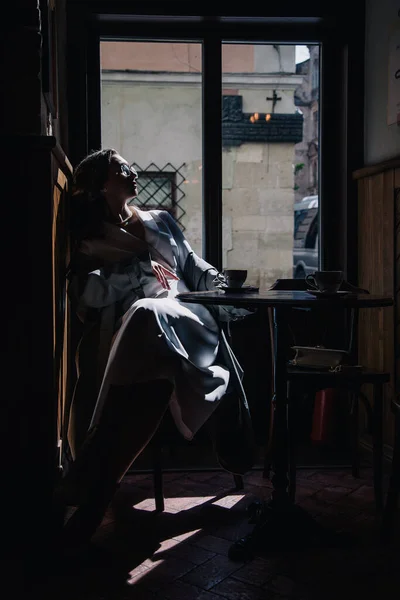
182	554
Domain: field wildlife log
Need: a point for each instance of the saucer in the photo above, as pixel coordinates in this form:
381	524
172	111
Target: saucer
241	290
319	294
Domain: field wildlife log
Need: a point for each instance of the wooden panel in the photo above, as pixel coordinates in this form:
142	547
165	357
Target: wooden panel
32	300
392	164
376	264
60	261
397	279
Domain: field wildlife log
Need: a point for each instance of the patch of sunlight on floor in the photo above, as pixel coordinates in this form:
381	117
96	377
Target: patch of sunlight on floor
179	502
229	500
187	535
142	570
148	504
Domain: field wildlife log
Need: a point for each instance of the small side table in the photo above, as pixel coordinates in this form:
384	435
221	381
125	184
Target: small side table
280	523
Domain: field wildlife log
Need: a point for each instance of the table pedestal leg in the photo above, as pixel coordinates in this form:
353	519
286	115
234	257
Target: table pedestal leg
278	523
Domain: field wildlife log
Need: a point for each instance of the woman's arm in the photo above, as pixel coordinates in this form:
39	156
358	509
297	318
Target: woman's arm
199	275
95	286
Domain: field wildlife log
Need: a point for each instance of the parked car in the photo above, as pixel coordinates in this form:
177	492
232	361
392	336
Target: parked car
305	237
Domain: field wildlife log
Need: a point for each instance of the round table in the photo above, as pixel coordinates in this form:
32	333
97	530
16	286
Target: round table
279	517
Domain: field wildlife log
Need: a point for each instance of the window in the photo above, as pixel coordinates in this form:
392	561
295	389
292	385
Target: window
156	190
313	176
141	23
305	227
264	149
305	245
311	237
315	124
162	190
151	112
315	74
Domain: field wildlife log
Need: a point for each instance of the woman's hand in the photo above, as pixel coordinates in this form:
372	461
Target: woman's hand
162	273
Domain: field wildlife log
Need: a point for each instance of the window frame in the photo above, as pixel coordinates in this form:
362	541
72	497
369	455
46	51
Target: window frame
340	107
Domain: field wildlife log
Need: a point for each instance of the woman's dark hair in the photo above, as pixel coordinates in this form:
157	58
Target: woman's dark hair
88	206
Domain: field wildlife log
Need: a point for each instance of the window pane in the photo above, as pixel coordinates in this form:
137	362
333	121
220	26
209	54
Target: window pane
155	190
152	114
270	134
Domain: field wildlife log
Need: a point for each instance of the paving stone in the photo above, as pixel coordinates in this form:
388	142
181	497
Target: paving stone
233	589
213	544
256	572
340	477
332	493
191	534
179	590
362	497
256	478
197	476
303	490
194	554
284	586
212	572
166	570
234	532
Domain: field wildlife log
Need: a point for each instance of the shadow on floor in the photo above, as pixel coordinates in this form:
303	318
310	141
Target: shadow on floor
183	552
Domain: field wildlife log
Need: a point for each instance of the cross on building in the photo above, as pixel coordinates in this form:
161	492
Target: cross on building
275	98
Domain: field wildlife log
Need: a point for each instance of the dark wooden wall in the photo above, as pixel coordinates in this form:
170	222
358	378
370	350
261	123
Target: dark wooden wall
378	271
35	172
36	325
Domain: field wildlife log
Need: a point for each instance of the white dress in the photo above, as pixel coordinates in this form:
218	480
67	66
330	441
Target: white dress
161	337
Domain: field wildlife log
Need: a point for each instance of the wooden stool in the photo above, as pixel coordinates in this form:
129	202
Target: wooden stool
351	381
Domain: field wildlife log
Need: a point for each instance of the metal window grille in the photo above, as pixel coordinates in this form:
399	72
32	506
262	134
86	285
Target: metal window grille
161	189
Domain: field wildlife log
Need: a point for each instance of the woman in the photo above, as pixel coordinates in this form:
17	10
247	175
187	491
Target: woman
144	350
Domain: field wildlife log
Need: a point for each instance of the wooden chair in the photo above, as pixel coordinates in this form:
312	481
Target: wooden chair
311	381
351	382
167	434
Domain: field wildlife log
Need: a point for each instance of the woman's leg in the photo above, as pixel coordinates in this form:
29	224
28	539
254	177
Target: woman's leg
129	419
86	389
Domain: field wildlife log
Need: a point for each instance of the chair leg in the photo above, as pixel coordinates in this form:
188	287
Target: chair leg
377	442
267	467
392	499
158	477
291	446
268	449
238	479
355	463
292	481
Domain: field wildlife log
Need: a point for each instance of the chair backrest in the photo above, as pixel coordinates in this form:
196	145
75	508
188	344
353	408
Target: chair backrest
306	325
